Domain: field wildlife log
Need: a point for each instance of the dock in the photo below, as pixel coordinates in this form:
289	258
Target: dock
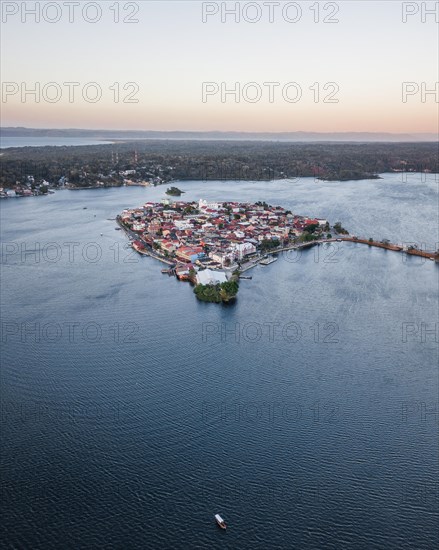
268	261
395	248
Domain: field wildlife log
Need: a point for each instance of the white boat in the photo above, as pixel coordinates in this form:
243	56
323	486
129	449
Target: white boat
221	523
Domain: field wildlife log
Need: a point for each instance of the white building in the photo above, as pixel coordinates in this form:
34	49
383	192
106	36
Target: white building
182	224
209	277
138	226
221	257
244	249
127	172
204	205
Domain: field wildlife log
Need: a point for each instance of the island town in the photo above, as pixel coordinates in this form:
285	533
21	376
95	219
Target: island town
212	244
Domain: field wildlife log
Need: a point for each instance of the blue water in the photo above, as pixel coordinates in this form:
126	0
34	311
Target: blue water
28	141
305	414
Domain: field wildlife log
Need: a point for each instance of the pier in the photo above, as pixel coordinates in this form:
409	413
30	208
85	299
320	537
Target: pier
146	249
387	246
395	248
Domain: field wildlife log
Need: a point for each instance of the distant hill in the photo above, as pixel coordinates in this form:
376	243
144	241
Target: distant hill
216	135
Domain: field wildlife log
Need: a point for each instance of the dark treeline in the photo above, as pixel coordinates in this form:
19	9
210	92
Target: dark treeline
161	161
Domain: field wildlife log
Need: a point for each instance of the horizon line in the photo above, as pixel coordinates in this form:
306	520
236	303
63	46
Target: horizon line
256	132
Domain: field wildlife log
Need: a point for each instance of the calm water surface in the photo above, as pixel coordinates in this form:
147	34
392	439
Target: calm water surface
7	141
306	413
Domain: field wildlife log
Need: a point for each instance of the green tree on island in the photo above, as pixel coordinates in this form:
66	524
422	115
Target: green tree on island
269	244
174	191
307	237
222	292
311	228
338	227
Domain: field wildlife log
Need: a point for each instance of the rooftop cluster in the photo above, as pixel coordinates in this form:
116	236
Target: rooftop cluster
216	235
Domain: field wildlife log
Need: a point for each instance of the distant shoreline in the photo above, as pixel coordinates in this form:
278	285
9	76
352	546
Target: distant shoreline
218	135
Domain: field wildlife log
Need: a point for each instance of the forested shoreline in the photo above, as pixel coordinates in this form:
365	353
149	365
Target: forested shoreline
162	161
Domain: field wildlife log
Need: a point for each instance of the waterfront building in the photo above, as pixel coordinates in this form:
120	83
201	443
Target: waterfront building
189	254
209	277
244	249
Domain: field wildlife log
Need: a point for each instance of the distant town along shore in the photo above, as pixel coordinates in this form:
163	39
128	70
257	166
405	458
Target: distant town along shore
30	170
211	244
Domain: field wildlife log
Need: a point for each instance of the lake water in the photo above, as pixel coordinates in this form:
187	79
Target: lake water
28	141
306	414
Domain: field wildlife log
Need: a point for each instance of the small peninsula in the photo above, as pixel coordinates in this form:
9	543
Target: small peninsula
211	244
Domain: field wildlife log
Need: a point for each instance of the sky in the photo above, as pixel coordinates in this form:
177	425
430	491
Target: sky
168	65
